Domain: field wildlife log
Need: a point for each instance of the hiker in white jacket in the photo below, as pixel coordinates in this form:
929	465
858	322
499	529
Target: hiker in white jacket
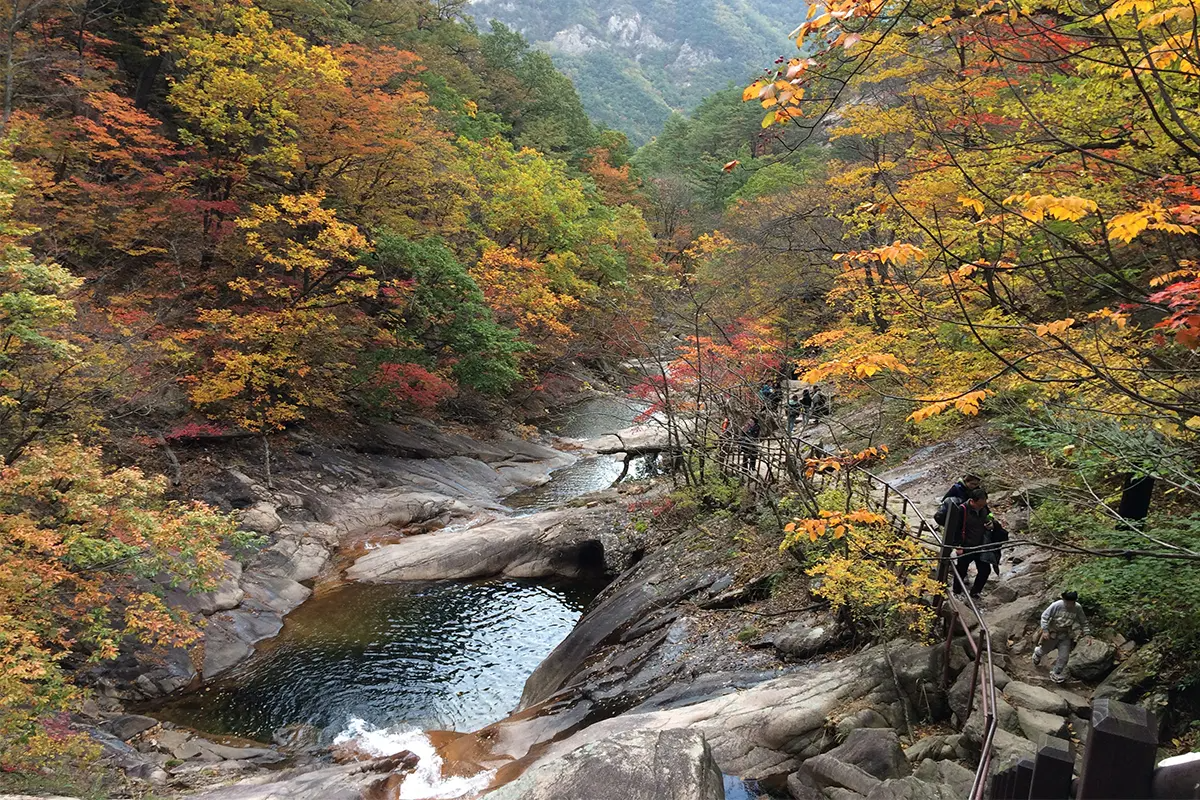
1063	624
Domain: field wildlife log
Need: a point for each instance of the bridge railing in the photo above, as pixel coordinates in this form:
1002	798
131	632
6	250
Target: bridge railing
780	460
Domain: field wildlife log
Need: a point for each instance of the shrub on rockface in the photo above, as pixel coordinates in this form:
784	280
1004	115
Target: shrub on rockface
879	579
79	543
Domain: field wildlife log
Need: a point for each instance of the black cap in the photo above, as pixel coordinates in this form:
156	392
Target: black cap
1072	596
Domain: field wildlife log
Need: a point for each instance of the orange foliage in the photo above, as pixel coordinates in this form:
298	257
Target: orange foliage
521	292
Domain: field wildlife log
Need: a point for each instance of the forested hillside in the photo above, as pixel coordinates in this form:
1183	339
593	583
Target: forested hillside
950	214
636	62
224	219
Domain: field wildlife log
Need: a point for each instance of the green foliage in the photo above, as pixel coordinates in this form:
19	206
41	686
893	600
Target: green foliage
769	178
722	129
541	103
43	374
1138	596
1143	596
1101	447
445	318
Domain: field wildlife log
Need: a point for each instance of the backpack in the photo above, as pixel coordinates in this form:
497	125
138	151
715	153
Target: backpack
939	516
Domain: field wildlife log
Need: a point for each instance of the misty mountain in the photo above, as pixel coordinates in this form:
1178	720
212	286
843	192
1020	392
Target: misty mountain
634	62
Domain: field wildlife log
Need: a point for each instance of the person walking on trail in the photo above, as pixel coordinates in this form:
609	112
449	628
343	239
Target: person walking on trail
975	534
963	488
764	395
793	413
806	405
749	445
820	404
1063	624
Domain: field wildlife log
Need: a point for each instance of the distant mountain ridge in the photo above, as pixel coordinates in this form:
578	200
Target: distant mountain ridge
634	62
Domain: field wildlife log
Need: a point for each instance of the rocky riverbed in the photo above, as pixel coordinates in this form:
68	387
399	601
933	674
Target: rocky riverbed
703	669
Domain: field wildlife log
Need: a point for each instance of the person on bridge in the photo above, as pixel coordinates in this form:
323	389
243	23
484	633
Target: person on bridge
806	405
975	534
793	413
963	488
1063	624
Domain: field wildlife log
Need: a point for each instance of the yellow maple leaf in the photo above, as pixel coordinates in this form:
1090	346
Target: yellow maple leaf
1126	227
751	91
972	203
1054	328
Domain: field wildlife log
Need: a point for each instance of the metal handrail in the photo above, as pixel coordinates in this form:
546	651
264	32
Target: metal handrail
982	647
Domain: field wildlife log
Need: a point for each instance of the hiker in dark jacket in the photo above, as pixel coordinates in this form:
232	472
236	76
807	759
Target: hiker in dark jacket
820	404
963	488
806	404
975	534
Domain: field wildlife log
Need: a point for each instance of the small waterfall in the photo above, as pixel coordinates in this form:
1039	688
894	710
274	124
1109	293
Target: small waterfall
427	782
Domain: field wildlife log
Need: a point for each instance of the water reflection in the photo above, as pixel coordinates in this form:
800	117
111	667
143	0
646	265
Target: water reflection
586	420
447	655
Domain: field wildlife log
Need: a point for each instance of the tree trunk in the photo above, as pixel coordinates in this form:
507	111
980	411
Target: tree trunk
1135	496
146	80
267	460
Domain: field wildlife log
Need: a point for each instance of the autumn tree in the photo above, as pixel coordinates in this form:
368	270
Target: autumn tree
235	74
876	577
281	343
368	140
78	543
438	318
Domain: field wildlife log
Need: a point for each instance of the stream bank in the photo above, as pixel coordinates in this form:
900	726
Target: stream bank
704	656
298	651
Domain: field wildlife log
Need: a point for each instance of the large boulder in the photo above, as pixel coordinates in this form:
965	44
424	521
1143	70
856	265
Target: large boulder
771	727
231	635
1011	620
1077	703
357	781
650	437
260	518
127	726
946	773
1038	724
961	689
876	750
1136	675
533	546
804	638
1091	659
1008	749
862	718
636	765
1026	695
913	788
935	747
1006	719
826	771
226	594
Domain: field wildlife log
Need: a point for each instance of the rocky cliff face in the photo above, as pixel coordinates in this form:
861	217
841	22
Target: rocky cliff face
635	62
